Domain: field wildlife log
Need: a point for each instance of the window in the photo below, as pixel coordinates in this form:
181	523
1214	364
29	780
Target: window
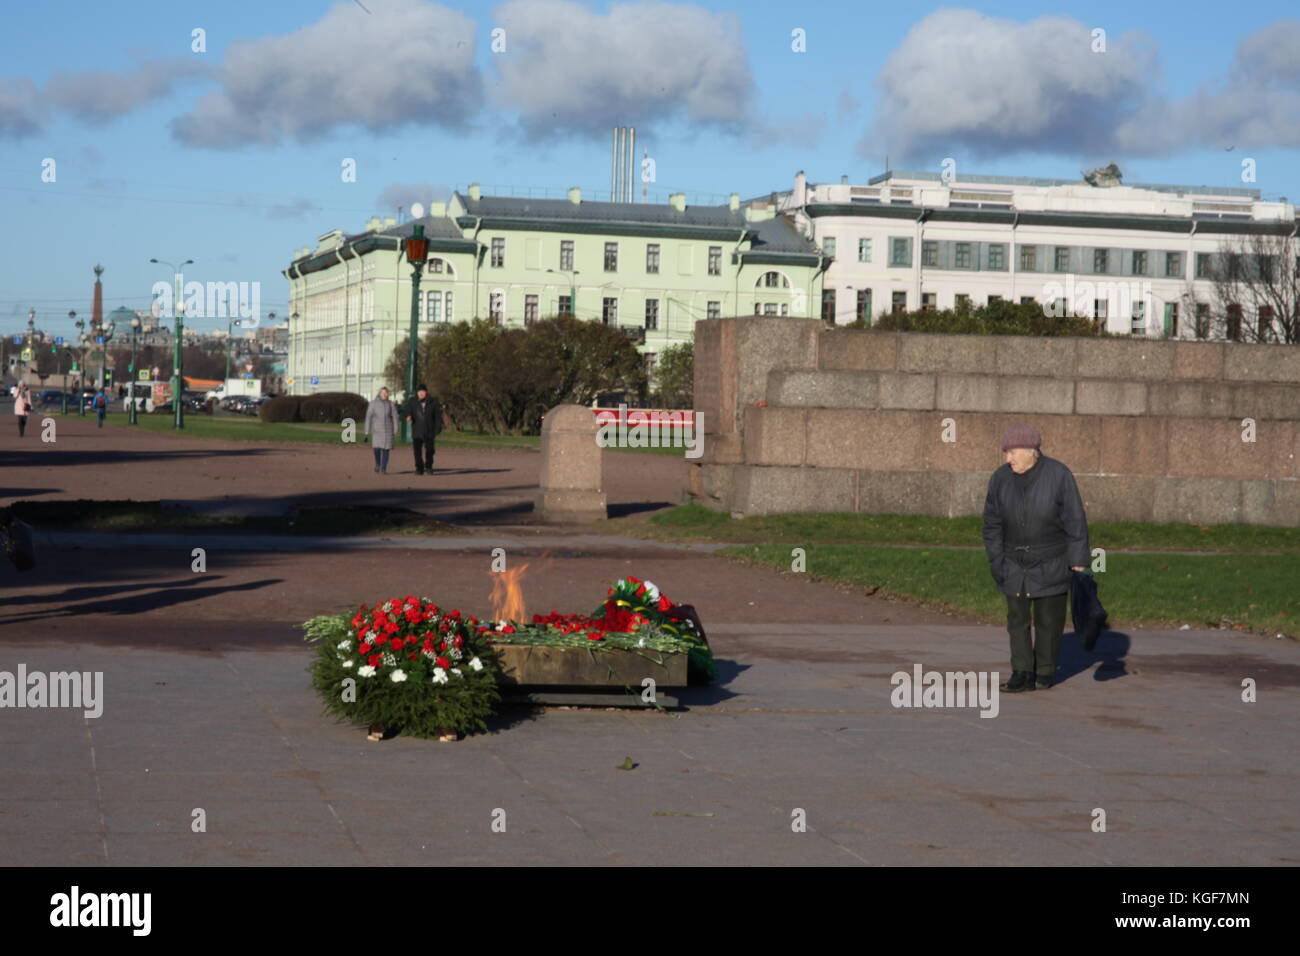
1174	265
1264	326
1139	323
1171	320
432	306
1101	309
1061	307
651	361
864	250
714	309
530	309
994	298
774	280
828	305
447	312
566	305
1204	270
1028	258
433	266
652	257
611	257
498	253
1100	260
1202	320
609	311
961	255
1139	263
769	308
929	253
1265	267
928	301
998	257
715	260
898	301
1234	323
785	308
828	246
1027	300
758	308
1234	265
864	304
962	302
497	307
1061	260
900	252
651	315
566	255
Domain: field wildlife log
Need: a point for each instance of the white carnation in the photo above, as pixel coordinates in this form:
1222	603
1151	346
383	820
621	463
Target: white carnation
476	664
366	671
349	663
344	645
397	676
439	675
651	591
456	671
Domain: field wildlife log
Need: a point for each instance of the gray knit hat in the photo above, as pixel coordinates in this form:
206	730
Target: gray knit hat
1022	436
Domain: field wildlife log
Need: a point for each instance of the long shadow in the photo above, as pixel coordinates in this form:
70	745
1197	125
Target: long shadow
1111	649
69	457
716	692
87	593
137	604
623	509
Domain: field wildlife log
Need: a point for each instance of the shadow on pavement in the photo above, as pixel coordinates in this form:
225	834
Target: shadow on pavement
1112	646
164	596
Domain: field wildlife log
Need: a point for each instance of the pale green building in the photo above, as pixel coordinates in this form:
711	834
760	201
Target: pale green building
652	270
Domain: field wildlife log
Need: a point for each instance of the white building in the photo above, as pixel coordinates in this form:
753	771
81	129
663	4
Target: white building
1135	256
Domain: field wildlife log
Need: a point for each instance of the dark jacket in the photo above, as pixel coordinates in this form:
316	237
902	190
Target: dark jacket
426	417
1035	529
1085	608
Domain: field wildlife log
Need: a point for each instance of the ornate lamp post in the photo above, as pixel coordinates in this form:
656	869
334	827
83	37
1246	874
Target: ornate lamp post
417	251
178	414
81	364
72	317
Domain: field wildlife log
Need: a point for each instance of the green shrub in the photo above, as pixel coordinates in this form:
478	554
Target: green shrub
332	407
283	408
997	318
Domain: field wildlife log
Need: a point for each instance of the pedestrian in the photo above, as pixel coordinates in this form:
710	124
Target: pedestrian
22	408
424	412
1035	534
100	405
382	425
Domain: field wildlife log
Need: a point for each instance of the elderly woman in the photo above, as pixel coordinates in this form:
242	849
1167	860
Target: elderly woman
382	425
1035	534
22	408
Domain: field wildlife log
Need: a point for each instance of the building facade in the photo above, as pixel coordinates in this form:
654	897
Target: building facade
650	269
1136	258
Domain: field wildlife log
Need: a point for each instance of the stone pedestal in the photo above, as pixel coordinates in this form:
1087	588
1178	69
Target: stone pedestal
570	478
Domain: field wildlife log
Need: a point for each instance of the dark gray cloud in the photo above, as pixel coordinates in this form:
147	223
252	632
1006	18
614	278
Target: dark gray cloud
405	62
19	115
569	69
99	96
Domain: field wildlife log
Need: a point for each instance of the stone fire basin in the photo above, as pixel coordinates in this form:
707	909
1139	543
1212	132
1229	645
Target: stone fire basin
532	666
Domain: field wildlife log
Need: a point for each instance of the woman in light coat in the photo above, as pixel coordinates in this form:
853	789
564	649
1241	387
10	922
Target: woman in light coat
381	425
22	408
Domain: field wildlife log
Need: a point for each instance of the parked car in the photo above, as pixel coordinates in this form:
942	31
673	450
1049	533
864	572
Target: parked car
52	396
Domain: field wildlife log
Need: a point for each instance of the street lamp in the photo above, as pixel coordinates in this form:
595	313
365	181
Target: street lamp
178	414
573	288
417	251
293	324
130	388
72	316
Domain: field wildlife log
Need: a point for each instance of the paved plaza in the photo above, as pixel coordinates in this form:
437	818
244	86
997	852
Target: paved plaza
207	705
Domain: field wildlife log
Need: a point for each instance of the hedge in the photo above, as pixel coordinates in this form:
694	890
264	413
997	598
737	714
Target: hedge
332	407
283	408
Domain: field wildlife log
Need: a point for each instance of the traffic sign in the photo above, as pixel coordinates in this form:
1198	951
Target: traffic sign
18	340
315	380
143	375
248	375
58	340
99	340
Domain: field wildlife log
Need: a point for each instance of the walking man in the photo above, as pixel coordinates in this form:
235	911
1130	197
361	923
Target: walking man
1035	534
22	408
101	407
424	412
382	425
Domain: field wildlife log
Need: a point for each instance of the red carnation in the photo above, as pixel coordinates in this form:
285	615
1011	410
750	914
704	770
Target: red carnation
374	660
442	645
365	649
593	637
444	663
664	603
411	656
396	644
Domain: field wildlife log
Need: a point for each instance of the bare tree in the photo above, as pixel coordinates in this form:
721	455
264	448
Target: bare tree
1254	289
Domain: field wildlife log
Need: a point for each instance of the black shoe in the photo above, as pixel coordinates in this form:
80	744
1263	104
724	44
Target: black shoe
1020	680
419	472
1043	683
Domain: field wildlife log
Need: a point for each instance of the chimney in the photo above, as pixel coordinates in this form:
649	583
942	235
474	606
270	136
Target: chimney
372	224
734	202
437	208
475	192
678	201
575	195
800	189
844	180
389	221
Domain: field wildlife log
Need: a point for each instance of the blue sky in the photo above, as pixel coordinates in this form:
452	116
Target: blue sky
232	157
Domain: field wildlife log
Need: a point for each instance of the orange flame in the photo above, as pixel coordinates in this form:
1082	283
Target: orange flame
508	595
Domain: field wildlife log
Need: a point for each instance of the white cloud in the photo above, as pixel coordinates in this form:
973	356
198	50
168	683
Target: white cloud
965	83
567	68
405	62
102	95
18	107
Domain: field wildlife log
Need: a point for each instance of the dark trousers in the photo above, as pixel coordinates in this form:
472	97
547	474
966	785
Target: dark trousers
423	454
381	458
1047	614
22	425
